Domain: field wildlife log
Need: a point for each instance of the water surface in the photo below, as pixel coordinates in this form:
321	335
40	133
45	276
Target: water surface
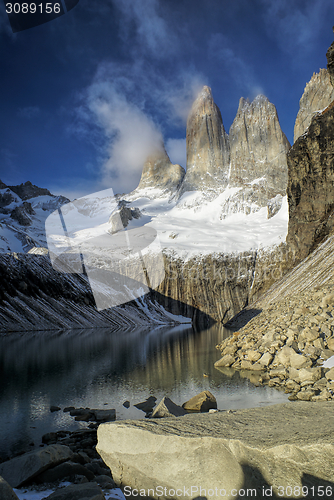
101	369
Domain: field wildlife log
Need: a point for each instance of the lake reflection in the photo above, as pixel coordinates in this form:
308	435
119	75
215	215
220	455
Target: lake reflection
101	369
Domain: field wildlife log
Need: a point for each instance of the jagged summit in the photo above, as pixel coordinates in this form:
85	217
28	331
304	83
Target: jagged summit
207	146
318	94
29	190
159	172
258	146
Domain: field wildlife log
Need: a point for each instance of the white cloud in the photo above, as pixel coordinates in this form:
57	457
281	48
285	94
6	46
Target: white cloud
132	102
176	149
127	103
131	135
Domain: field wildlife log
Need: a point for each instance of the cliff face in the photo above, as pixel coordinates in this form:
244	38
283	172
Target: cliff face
207	146
311	181
330	62
311	185
318	94
258	166
159	172
258	145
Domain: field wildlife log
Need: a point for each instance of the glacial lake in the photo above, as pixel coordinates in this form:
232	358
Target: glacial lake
101	369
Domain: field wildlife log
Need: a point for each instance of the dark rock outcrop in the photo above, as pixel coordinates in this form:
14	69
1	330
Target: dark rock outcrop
22	214
160	173
6	199
311	180
311	185
330	62
121	217
29	190
207	147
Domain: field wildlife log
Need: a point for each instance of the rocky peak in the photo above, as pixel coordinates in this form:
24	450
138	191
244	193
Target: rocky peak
318	94
159	172
2	185
258	146
207	146
29	190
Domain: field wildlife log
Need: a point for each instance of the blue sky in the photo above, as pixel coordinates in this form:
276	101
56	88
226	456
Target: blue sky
85	97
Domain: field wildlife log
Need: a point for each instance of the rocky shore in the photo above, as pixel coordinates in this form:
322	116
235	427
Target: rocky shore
287	345
67	463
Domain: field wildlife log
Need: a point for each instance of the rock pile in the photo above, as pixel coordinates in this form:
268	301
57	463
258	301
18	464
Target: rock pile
287	344
67	456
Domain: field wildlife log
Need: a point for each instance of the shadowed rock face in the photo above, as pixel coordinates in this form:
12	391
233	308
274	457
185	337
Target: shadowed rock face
159	172
311	180
318	94
207	146
29	190
330	62
311	185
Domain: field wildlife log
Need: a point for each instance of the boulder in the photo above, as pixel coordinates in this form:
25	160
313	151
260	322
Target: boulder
86	491
167	408
299	361
226	360
64	470
148	405
265	359
311	375
284	355
253	356
6	492
21	469
330	374
104	415
203	402
306	395
223	450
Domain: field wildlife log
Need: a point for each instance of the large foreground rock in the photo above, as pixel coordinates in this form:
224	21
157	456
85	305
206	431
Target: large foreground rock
21	469
6	492
280	445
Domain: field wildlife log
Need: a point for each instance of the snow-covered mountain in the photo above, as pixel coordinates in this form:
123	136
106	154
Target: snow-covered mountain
232	197
23	211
